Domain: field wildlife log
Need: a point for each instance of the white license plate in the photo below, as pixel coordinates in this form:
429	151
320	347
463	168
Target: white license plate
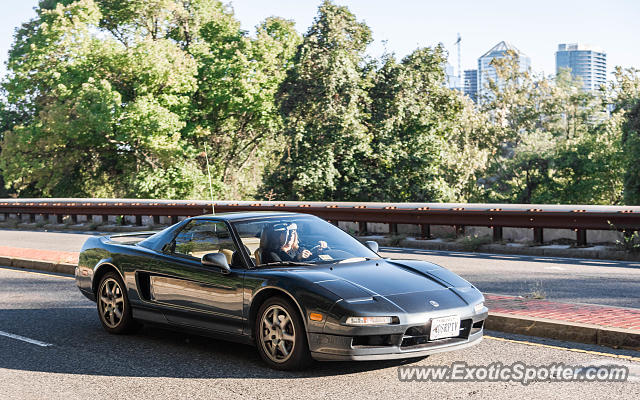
445	327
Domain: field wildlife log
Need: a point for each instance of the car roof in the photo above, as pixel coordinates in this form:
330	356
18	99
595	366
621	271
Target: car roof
242	215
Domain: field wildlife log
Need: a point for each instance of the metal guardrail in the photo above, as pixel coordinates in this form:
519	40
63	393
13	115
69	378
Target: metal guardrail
496	216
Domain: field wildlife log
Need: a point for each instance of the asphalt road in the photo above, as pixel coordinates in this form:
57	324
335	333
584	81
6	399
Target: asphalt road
84	362
614	283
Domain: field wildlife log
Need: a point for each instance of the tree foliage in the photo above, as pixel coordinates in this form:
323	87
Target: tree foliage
120	98
321	101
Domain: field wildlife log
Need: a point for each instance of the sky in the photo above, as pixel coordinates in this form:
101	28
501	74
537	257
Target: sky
401	26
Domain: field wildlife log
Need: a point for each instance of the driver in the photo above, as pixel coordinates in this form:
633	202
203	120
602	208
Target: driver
289	244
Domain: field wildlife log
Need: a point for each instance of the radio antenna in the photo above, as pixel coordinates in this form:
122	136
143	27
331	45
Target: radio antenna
206	157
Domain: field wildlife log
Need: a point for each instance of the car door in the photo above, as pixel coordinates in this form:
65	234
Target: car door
191	293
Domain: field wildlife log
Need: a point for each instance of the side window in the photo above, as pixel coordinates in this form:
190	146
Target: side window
201	237
249	233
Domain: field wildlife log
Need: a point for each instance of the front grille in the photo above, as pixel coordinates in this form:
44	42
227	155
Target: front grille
374	340
419	335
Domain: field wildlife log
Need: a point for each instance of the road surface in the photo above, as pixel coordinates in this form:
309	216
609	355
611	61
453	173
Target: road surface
69	356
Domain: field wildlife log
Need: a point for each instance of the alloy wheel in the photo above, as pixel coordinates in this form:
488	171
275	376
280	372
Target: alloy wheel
277	334
111	303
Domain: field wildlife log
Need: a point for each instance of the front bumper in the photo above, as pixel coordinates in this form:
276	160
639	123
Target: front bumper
405	344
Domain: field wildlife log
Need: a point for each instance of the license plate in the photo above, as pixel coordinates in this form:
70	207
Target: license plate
445	327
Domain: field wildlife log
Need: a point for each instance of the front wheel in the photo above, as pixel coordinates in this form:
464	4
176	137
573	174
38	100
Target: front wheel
280	335
113	305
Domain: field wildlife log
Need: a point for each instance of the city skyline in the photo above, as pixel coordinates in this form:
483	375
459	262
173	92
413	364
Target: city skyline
409	25
535	31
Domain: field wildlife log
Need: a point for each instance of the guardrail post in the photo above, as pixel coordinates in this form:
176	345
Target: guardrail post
393	229
173	219
425	231
74	219
362	228
156	220
538	236
31	217
581	237
139	220
59	218
497	233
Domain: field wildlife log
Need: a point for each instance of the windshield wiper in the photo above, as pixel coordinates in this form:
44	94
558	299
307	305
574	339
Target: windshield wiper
356	259
285	263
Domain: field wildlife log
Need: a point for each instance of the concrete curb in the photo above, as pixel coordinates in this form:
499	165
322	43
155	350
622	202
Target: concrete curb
561	330
40	265
501	322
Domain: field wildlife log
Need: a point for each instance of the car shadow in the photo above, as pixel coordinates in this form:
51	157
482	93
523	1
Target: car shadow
79	345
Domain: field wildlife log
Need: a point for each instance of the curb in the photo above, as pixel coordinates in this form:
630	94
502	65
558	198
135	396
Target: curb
40	265
501	322
560	330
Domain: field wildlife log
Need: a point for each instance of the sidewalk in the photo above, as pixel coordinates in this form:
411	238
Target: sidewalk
605	316
69	257
585	323
609	326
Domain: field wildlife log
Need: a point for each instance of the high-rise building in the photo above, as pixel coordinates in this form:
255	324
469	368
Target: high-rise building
452	81
487	72
586	62
471	84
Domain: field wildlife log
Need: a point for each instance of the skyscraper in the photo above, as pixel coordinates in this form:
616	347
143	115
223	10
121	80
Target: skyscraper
587	63
452	81
471	84
487	72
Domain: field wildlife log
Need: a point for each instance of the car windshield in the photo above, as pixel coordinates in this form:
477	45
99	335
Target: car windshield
298	240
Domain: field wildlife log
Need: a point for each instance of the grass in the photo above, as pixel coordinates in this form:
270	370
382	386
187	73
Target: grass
394	240
473	242
94	225
11	223
629	243
537	292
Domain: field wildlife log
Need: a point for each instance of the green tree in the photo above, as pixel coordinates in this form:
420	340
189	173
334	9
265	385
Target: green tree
554	142
623	94
98	118
631	140
414	119
235	107
322	101
118	98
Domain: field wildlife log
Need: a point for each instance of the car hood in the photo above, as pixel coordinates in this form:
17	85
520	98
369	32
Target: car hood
361	280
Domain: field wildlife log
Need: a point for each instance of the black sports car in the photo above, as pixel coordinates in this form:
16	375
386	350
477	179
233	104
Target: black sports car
294	285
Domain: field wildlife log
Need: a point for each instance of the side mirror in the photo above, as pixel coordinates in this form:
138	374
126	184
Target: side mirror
218	260
372	245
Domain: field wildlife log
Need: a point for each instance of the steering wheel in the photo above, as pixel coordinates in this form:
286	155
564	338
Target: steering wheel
317	250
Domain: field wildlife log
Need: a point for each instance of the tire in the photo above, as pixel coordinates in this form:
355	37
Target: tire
287	336
114	309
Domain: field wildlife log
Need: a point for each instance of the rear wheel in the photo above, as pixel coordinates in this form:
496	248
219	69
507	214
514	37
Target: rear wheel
113	305
280	335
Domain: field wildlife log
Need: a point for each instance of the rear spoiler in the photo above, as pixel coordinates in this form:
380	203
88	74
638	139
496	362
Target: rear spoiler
142	233
133	237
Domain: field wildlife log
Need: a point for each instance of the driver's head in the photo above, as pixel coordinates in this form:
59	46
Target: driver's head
286	233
